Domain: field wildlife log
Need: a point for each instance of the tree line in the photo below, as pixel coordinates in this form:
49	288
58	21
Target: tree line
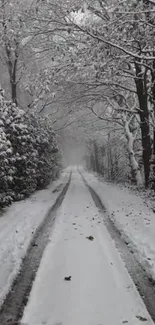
93	56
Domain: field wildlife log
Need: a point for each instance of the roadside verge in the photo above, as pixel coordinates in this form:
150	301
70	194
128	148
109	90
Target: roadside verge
134	220
18	227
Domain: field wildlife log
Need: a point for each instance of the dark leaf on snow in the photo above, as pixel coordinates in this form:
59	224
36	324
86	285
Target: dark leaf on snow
67	278
90	237
142	319
34	245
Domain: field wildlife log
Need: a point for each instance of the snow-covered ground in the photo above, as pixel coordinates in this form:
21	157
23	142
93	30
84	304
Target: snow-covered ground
17	226
100	290
132	216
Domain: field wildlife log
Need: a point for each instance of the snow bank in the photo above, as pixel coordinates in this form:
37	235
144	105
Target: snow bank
17	226
133	218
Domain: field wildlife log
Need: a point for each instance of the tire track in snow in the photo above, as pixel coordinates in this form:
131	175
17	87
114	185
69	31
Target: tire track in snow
143	284
16	300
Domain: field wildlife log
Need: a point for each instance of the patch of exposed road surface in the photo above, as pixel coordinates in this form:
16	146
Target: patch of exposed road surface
82	278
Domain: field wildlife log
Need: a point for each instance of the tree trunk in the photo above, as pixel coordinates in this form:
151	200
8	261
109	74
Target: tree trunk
14	92
140	82
153	149
150	19
96	157
12	69
135	170
14	83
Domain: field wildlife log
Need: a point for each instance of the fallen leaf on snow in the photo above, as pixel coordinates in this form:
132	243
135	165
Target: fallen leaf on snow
67	278
90	237
142	319
34	245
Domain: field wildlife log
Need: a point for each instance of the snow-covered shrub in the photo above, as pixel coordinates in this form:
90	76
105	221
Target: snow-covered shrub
47	150
6	172
6	168
28	152
23	161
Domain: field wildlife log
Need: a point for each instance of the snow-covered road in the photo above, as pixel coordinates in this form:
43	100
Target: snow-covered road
100	291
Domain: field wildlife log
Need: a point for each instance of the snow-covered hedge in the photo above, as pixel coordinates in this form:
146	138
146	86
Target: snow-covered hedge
29	156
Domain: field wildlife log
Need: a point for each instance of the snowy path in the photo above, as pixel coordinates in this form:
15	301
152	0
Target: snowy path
100	291
17	227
